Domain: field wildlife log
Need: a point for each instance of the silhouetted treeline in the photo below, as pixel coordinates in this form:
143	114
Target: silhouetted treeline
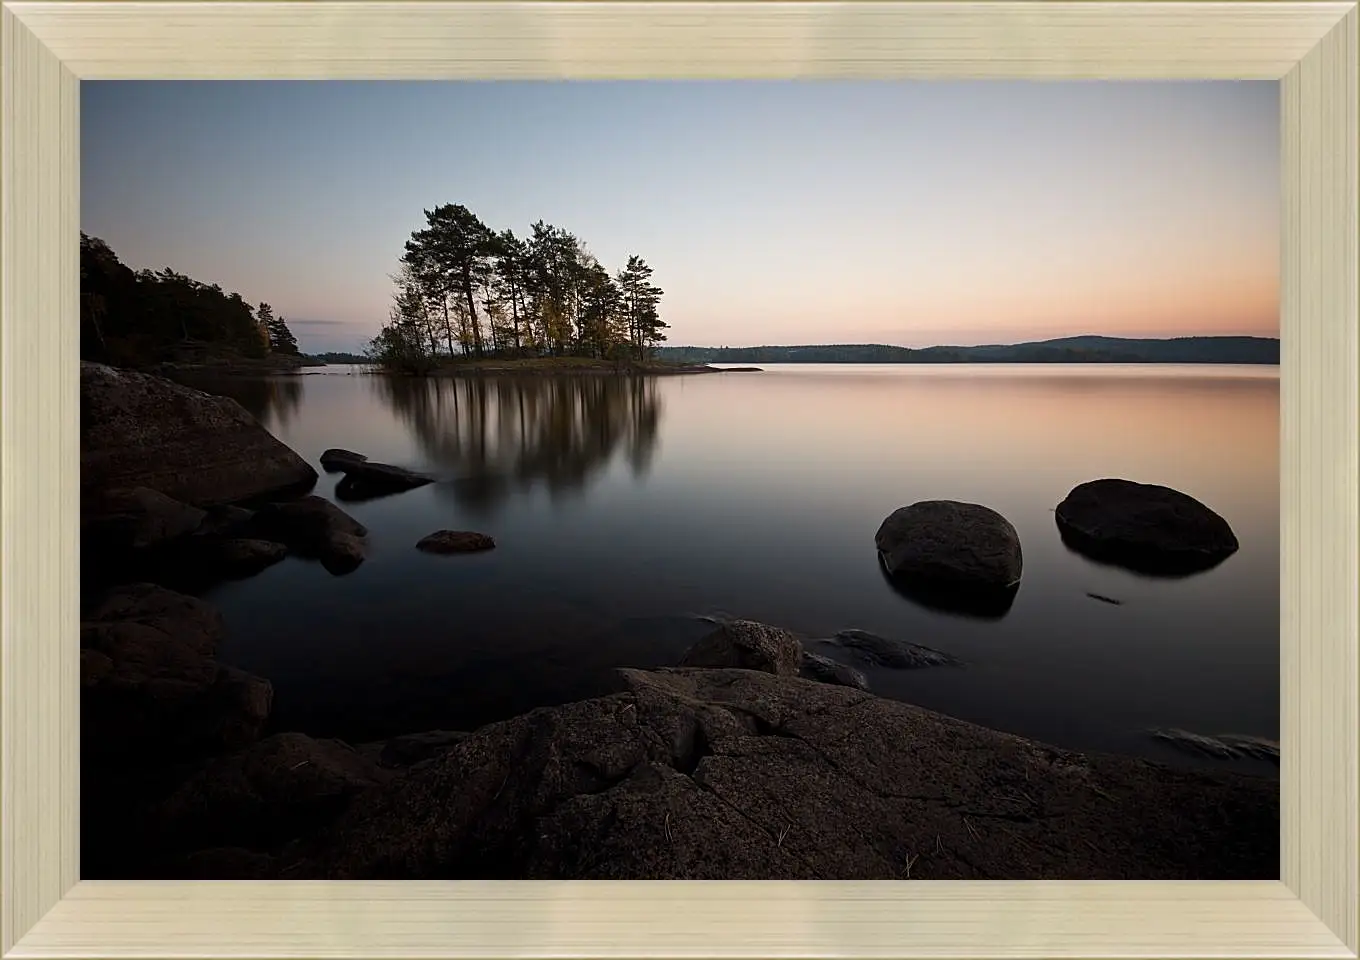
136	318
340	357
465	290
1065	350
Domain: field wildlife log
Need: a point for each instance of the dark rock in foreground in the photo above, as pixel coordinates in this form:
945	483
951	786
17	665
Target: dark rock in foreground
825	670
150	688
748	645
130	519
315	527
138	430
737	774
951	555
274	791
897	654
413	748
1144	527
455	541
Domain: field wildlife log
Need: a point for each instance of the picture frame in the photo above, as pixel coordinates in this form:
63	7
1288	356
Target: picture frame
1311	48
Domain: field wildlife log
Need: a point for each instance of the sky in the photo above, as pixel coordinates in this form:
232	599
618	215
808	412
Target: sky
773	212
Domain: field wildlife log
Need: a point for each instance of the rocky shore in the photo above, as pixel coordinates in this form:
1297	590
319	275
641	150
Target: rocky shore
760	755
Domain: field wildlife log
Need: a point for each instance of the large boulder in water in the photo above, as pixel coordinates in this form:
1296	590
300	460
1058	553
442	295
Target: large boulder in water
958	556
137	430
314	527
1144	527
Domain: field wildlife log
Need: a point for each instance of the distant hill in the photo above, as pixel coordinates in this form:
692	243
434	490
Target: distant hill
1264	350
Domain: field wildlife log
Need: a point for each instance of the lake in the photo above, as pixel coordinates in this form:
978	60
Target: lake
623	508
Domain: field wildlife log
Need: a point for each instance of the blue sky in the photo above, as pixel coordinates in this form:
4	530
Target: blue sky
772	212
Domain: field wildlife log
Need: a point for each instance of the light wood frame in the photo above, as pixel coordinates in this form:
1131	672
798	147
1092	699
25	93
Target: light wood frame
1310	47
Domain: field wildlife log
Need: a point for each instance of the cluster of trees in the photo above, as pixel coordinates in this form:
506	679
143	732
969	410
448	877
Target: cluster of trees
137	318
464	289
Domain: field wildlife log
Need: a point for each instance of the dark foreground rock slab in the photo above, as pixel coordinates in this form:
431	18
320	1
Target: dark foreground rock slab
138	430
455	541
951	555
281	788
1144	527
738	774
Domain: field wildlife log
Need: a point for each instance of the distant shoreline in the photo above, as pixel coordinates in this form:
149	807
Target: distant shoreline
1085	349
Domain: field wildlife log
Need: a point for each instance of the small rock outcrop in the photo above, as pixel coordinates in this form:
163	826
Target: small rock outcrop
1225	746
825	670
366	479
314	527
139	430
748	645
738	774
951	555
337	459
1144	527
455	541
896	654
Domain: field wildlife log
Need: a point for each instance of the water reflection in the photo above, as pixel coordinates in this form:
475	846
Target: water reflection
498	437
267	399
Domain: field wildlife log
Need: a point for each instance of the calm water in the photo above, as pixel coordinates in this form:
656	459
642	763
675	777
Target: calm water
622	507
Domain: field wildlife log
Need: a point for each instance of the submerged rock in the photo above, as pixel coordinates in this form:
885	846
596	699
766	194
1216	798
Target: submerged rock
1227	746
138	430
367	481
750	646
825	670
455	541
952	555
1144	527
897	654
738	774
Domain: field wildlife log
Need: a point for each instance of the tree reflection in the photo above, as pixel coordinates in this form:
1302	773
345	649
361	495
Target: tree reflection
270	400
498	436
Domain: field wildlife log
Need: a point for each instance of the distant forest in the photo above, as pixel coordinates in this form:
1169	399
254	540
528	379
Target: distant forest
464	289
137	318
1088	349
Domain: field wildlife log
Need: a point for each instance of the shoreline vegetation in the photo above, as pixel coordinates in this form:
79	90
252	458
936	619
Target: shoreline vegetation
760	755
473	302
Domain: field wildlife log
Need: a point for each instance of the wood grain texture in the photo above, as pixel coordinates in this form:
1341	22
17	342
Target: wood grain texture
1312	913
617	40
39	463
1320	489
